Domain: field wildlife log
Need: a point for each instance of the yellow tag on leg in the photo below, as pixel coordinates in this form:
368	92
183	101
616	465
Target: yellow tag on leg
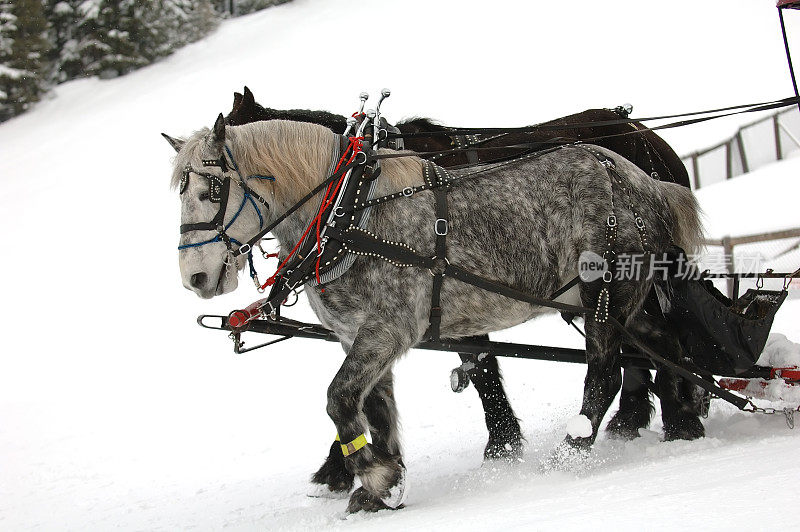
353	446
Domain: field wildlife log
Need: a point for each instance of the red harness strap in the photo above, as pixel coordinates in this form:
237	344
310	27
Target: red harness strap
347	157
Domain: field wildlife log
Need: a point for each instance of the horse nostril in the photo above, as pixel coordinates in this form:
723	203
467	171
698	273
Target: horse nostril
198	280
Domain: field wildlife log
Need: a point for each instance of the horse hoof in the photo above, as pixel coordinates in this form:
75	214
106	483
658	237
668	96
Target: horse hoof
509	451
382	474
625	425
684	428
362	500
397	493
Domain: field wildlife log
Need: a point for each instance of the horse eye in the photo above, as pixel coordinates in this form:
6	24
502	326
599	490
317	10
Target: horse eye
204	196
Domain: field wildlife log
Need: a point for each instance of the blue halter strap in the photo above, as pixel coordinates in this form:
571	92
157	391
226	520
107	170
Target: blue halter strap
248	197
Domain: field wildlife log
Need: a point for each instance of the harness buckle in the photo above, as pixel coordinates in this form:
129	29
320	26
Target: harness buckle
441	227
243	249
439	266
639	222
408	191
268	309
611	221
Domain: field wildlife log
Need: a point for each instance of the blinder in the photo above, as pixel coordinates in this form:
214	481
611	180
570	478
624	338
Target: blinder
215	184
219	192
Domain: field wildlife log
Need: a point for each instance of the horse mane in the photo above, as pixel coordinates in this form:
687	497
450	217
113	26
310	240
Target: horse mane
246	110
298	154
422	124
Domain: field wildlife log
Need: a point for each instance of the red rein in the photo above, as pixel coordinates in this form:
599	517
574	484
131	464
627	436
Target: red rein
348	157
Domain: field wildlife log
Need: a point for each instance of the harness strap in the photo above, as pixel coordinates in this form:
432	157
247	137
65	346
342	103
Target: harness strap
485	167
441	228
247	246
361	241
219	218
564	289
727	111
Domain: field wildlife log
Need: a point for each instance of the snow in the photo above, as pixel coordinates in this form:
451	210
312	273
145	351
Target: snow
780	352
759	202
118	412
579	426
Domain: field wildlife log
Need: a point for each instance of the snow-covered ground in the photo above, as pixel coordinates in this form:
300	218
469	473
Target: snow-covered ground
117	411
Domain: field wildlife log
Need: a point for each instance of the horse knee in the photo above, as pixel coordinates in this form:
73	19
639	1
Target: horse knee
340	405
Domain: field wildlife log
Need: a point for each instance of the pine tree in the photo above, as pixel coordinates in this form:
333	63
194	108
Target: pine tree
116	36
23	51
64	59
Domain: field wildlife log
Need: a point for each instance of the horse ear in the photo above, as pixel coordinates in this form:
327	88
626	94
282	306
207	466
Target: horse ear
237	100
248	100
175	143
219	129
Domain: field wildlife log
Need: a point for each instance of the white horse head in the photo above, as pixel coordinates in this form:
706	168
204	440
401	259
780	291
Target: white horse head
226	174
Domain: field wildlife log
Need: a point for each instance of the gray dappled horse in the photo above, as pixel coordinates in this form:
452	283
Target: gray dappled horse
524	224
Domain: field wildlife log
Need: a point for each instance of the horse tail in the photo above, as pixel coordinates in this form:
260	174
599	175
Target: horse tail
687	227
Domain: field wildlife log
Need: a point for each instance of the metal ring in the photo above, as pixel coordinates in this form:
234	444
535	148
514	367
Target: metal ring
639	222
607	276
365	158
338	212
446	264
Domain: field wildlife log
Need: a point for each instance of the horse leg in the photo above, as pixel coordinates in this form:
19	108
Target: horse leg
679	406
680	402
603	377
381	412
505	437
382	473
333	478
635	405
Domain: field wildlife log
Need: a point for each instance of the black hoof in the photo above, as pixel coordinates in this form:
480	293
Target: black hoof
625	425
685	427
333	472
508	449
579	444
361	499
635	411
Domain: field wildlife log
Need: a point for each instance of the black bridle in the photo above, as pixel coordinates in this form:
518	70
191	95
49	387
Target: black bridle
219	192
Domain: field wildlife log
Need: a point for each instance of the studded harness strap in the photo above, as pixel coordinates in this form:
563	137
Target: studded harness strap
610	254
